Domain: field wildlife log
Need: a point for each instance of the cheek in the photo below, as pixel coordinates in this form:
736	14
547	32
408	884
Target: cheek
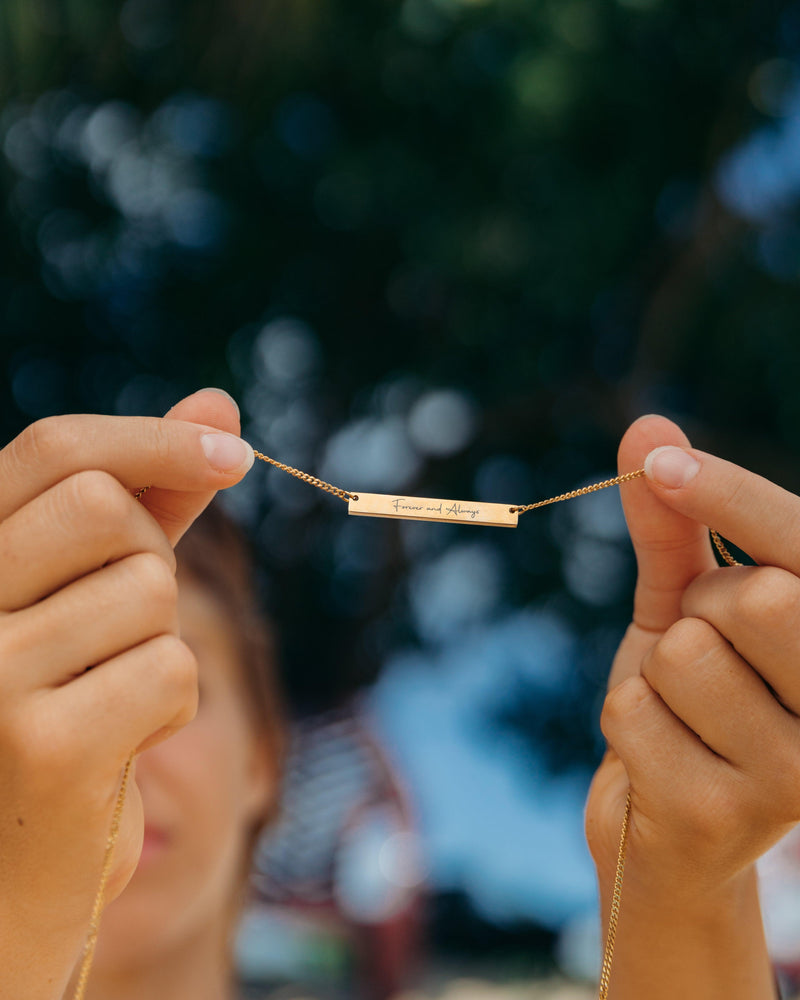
193	784
207	776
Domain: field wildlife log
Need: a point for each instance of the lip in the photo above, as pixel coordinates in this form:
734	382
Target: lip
155	841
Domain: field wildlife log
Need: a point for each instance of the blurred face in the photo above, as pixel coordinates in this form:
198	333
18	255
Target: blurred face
202	790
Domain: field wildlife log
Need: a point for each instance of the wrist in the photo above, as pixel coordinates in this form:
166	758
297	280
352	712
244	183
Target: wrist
652	888
707	945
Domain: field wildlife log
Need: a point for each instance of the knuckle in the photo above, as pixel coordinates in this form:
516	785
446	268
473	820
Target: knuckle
685	642
154	577
45	440
101	499
178	674
699	585
620	702
767	597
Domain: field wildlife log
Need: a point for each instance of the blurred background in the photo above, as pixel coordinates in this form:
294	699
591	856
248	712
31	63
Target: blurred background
445	247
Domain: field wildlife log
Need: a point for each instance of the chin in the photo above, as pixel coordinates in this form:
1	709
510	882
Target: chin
139	925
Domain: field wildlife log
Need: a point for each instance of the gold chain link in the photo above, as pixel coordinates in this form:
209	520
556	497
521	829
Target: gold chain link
97	909
307	478
582	492
723	550
613	917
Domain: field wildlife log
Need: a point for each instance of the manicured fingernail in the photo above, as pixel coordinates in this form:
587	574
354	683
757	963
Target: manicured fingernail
227	395
227	453
671	467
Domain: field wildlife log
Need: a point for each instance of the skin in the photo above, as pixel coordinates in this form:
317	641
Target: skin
701	721
88	581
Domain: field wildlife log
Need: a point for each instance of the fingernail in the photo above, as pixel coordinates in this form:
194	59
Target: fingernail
227	453
227	395
671	467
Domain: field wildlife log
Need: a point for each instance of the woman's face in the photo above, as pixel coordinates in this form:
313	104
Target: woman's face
202	790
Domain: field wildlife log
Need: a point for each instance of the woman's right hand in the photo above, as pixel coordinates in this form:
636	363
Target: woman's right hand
702	720
92	667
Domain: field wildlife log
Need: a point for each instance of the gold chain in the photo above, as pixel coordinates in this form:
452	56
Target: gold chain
97	909
625	478
722	550
344	495
613	917
307	478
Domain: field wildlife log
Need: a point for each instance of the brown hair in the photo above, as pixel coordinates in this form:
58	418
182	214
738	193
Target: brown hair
215	554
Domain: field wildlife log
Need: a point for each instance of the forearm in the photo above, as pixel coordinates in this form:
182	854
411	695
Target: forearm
712	948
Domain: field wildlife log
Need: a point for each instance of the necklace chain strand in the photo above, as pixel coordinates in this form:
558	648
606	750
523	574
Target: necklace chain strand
422	510
336	491
307	477
613	917
97	908
582	492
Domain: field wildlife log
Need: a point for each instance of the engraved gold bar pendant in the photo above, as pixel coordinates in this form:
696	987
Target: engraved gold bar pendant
428	509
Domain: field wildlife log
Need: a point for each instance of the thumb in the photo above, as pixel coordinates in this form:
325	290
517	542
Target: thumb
175	511
671	548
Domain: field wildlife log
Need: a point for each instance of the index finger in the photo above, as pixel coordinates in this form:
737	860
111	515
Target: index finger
171	455
758	516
